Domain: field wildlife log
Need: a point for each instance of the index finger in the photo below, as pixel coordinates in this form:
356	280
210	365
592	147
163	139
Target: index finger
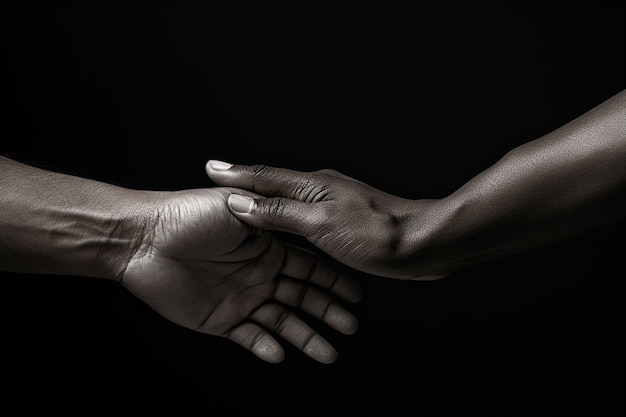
266	180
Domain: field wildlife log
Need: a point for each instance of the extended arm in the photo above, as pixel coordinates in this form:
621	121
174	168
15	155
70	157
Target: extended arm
567	182
181	252
54	223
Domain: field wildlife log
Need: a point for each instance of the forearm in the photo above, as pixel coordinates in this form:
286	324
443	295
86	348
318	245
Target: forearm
565	183
53	223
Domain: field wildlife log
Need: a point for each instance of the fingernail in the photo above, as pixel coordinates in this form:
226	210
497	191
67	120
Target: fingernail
219	165
240	203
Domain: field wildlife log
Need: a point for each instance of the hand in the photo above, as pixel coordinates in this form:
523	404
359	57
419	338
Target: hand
358	225
202	268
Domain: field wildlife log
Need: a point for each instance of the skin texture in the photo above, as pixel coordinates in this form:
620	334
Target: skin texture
567	182
181	252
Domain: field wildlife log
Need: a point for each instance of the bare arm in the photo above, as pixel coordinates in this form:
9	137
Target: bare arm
564	183
569	181
181	252
54	223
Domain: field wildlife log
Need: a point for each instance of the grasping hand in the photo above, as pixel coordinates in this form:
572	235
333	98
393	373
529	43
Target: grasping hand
204	269
358	225
567	182
181	252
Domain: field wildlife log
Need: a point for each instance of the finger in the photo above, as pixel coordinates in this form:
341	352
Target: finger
305	265
270	181
293	329
277	213
257	341
316	303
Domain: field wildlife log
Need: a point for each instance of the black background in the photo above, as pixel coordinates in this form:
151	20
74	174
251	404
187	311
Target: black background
414	101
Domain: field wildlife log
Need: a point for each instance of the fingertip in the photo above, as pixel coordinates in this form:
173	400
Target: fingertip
343	321
216	165
348	289
320	350
329	357
275	358
351	327
240	204
269	350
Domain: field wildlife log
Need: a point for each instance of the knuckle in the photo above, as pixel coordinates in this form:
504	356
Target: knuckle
281	322
258	170
325	214
257	174
322	222
313	188
329	172
274	208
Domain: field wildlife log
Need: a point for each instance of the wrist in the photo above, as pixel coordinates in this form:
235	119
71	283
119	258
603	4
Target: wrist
122	230
96	234
460	230
427	237
54	223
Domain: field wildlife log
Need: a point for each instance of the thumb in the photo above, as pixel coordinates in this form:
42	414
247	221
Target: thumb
277	213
